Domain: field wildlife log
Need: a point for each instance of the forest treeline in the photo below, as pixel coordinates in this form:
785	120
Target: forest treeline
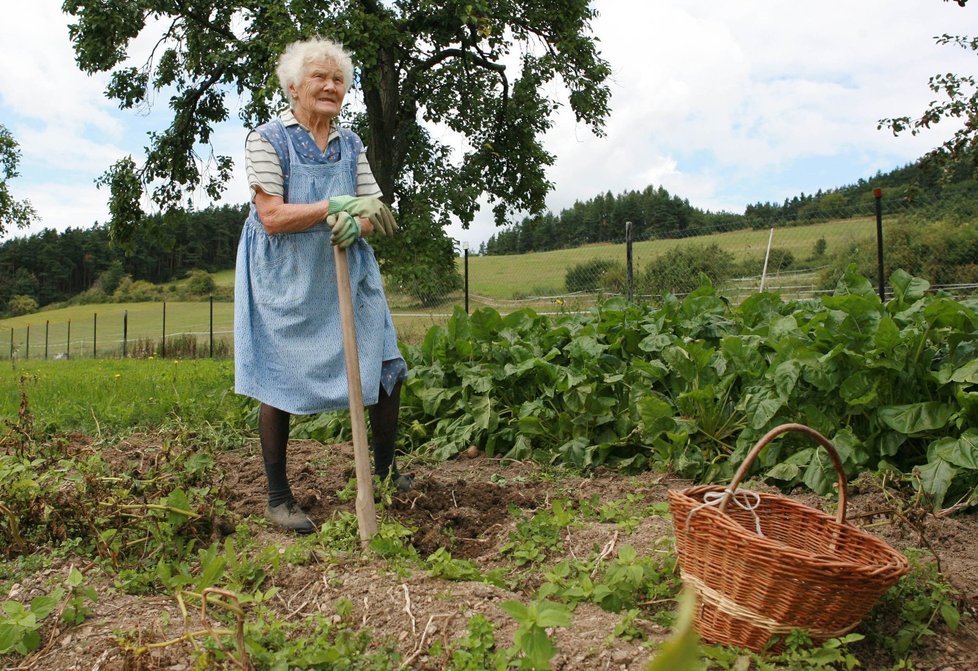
50	267
655	213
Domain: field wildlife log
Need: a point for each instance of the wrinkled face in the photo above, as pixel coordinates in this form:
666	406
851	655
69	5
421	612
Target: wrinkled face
321	91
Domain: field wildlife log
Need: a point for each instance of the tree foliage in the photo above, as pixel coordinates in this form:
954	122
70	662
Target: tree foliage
53	266
487	71
14	213
957	99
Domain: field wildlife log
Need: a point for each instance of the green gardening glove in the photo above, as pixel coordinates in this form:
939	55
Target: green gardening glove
346	229
371	208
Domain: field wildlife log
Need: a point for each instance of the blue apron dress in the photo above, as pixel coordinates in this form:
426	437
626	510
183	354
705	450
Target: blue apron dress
288	338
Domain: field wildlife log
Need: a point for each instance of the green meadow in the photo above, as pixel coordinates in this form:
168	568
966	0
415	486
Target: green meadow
502	282
541	273
113	395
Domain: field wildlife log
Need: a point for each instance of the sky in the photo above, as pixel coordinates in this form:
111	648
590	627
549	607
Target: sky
722	103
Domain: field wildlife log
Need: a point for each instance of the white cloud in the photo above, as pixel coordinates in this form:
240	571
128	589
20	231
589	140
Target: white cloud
40	80
64	206
722	103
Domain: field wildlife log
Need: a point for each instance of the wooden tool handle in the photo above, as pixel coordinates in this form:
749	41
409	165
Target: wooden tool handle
366	511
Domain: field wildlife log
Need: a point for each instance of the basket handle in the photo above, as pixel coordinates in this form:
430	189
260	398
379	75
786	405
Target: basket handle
840	515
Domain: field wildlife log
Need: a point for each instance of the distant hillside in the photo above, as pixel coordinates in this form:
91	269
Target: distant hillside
655	213
51	267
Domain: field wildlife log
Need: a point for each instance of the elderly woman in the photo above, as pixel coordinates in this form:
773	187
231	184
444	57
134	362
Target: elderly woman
311	187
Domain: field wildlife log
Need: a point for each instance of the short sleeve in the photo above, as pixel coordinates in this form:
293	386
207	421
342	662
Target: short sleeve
366	184
262	166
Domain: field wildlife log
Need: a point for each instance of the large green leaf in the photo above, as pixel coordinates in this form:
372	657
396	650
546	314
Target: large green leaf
10	635
967	373
935	478
906	288
887	335
961	452
916	417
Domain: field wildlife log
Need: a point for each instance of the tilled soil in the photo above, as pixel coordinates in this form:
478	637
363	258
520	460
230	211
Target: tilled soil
466	506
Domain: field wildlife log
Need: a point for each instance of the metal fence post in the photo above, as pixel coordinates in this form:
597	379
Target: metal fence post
47	323
465	254
68	348
94	335
163	345
878	196
628	261
125	333
212	328
27	345
11	343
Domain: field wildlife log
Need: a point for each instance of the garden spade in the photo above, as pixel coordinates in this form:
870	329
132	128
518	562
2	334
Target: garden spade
366	512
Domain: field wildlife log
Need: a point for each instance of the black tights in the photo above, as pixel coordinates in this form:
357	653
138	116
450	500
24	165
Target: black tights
273	432
383	429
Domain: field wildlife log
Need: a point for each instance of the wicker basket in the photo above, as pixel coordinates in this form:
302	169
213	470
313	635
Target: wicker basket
809	570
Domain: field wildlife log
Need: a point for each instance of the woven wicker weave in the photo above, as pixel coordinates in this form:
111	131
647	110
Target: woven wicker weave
809	570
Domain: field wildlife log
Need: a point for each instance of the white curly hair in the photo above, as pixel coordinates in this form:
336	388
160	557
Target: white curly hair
295	58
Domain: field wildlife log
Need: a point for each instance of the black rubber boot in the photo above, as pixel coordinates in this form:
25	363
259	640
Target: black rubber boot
383	428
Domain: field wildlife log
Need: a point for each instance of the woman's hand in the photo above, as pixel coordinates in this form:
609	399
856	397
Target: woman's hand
346	229
369	207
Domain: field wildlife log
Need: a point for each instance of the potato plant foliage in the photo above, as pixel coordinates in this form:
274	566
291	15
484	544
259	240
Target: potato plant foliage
692	384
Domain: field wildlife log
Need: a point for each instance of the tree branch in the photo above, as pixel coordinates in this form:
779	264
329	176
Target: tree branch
205	22
445	54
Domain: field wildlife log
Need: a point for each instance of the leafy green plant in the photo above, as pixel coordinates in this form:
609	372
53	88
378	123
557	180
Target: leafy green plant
77	608
631	579
532	647
923	599
681	651
691	386
534	537
799	654
441	564
20	624
586	276
476	651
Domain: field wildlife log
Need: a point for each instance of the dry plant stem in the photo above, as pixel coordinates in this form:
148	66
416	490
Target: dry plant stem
964	502
899	514
243	661
18	542
872	513
605	552
304	590
424	635
150	506
407	609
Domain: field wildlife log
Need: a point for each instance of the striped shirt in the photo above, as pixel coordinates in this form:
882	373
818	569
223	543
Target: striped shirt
265	171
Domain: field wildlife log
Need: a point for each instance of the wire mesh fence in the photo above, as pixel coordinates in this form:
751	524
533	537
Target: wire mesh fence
798	256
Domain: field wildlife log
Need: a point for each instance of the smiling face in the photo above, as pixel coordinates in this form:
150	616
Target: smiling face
319	94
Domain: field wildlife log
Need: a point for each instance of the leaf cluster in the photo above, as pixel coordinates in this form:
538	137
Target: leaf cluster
12	212
692	384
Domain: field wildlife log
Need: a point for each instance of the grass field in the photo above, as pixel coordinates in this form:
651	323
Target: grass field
543	273
95	396
502	282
